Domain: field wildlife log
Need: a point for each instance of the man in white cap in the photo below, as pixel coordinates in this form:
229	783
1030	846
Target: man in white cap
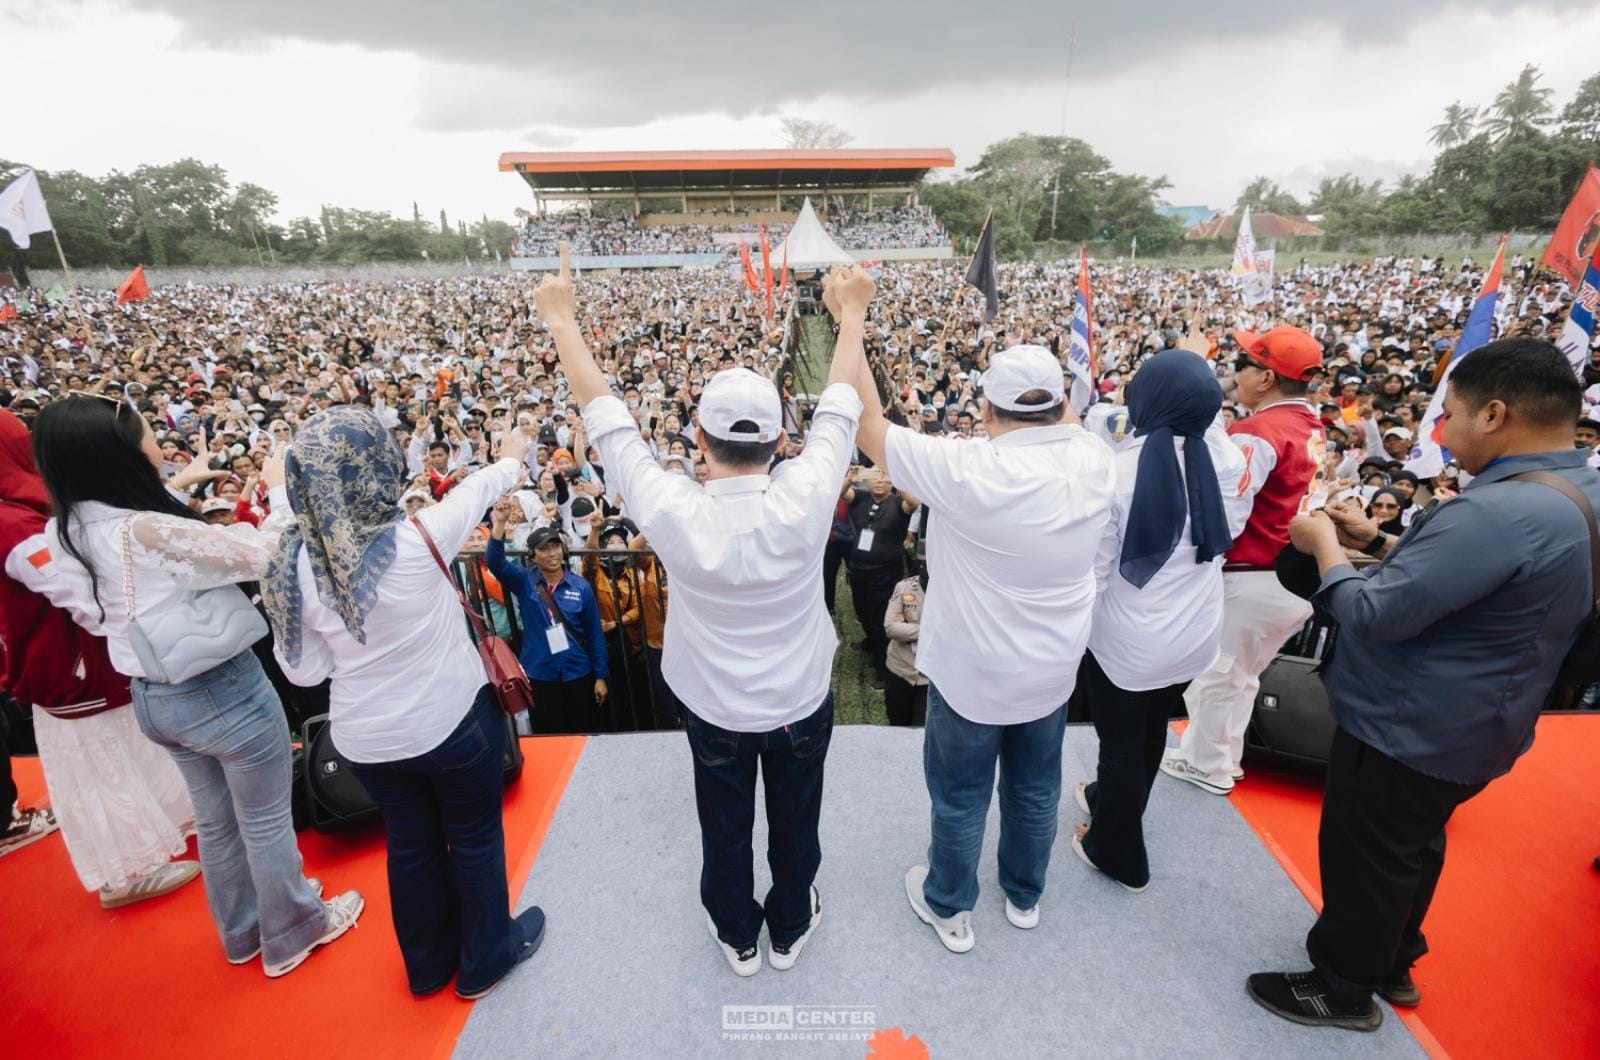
1013	524
749	646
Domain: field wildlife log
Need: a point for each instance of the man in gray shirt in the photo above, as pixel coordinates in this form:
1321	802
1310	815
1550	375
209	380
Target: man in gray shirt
1446	654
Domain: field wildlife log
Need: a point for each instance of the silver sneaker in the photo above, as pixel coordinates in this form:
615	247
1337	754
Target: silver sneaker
1179	767
164	880
743	962
783	960
954	931
343	912
316	888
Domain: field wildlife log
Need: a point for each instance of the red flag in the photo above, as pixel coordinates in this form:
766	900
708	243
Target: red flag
766	270
134	288
1578	233
8	313
749	268
783	284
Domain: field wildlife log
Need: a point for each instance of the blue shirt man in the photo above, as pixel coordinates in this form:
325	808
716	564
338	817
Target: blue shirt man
1446	654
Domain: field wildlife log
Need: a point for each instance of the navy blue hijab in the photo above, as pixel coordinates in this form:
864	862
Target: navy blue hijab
1175	394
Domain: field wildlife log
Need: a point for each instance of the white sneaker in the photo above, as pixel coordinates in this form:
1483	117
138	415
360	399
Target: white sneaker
1237	773
783	960
743	962
1077	848
316	888
343	912
1173	764
954	931
164	880
1026	919
1080	795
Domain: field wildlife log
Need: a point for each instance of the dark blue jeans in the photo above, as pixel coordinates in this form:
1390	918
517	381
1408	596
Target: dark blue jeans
725	762
958	757
447	854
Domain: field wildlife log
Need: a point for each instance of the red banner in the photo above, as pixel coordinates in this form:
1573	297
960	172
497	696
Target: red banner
134	288
766	270
750	280
1578	233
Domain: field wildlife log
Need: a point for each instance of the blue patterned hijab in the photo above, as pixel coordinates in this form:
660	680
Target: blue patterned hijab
345	474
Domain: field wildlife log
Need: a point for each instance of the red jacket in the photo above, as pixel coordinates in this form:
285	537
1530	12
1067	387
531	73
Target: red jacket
1283	446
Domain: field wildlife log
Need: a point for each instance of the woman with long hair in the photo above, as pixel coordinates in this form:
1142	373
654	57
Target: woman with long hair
142	570
355	593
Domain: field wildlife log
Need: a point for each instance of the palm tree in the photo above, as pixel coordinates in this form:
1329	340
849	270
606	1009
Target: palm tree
1520	106
1456	127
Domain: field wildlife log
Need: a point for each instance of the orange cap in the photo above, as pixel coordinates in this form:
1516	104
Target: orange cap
1289	351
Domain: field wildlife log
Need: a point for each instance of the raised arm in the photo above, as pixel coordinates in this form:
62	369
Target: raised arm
558	308
847	293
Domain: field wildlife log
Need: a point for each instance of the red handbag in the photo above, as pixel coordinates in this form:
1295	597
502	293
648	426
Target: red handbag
504	670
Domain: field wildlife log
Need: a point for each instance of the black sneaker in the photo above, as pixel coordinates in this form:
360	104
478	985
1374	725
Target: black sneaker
1303	997
1398	989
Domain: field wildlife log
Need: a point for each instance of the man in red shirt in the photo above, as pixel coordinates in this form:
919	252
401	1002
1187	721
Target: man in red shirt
1283	445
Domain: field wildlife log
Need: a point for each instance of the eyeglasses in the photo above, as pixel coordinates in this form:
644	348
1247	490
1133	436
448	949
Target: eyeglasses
1385	506
1244	361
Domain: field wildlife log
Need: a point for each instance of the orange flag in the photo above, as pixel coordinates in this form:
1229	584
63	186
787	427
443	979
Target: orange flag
1578	234
134	288
766	270
749	268
8	313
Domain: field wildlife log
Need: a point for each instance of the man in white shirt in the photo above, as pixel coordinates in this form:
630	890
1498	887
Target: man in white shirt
1013	523
749	647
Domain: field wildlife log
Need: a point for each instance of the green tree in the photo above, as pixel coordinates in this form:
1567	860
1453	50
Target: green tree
1264	195
444	223
1580	118
1456	127
1521	107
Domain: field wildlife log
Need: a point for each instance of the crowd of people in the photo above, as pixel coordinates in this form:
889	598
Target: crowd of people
639	460
881	228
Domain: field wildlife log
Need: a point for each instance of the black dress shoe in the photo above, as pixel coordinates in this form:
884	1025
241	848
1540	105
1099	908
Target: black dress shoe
1398	989
1303	997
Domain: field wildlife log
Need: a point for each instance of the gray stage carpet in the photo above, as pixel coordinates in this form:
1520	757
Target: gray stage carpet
628	970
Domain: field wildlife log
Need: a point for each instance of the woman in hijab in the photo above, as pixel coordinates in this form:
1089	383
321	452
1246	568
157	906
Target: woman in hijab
1159	573
121	803
355	594
1386	508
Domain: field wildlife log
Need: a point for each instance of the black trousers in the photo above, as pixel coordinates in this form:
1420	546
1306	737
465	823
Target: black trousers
561	707
664	706
791	761
870	589
905	703
627	705
8	784
1132	729
1381	849
833	554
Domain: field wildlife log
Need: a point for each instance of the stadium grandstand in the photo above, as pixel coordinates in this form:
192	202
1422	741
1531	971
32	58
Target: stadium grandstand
677	209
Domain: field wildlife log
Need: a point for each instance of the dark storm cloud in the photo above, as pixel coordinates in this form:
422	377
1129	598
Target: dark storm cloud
500	63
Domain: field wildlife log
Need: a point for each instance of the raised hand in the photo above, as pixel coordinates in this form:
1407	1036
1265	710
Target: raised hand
554	298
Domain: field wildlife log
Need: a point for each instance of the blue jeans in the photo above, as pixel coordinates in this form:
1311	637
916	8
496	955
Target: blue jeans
791	760
958	757
226	730
447	854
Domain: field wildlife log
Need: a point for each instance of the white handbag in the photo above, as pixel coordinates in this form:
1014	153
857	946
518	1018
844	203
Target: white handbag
198	633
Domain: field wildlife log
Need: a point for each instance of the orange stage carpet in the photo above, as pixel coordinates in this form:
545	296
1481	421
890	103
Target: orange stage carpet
1515	925
149	980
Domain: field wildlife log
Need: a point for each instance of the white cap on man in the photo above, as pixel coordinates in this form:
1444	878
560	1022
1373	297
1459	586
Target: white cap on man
1014	372
740	396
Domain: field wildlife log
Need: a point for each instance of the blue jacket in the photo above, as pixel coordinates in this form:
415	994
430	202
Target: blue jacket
586	652
1448	649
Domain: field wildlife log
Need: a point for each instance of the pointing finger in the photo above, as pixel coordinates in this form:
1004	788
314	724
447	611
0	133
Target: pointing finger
566	261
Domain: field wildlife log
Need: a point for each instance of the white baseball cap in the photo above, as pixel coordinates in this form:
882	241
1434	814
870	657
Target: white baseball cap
1016	371
737	395
1397	432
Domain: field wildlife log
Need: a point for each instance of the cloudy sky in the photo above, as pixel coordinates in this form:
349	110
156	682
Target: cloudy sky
379	103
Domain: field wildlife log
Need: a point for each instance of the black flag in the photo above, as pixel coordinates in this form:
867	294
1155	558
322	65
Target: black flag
981	272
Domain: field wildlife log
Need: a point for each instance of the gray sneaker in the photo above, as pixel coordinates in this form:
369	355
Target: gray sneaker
164	880
343	912
954	931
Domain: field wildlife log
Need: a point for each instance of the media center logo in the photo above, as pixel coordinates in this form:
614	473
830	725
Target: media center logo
798	1023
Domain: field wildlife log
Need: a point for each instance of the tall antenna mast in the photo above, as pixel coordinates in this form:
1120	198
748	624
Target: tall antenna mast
1066	88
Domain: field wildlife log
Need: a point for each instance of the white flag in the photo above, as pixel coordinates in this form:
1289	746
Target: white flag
1254	287
22	209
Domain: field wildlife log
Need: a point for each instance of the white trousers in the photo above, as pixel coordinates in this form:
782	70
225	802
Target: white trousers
1258	615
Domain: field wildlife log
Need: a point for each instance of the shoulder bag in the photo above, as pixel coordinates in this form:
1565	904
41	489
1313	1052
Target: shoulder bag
1580	668
501	666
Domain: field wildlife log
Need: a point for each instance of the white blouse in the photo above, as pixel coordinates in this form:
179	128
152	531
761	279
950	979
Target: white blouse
171	559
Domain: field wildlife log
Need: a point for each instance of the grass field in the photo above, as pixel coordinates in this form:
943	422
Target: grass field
855	701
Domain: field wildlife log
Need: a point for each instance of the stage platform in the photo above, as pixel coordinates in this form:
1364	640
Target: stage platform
603	834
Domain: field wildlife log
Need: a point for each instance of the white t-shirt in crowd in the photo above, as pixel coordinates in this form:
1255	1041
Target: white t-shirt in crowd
1167	632
1013	523
408	687
749	645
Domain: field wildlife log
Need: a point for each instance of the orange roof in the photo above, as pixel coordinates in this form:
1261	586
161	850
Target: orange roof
673	161
1264	225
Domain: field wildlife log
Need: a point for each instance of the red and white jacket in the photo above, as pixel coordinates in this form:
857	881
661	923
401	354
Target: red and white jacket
1283	445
